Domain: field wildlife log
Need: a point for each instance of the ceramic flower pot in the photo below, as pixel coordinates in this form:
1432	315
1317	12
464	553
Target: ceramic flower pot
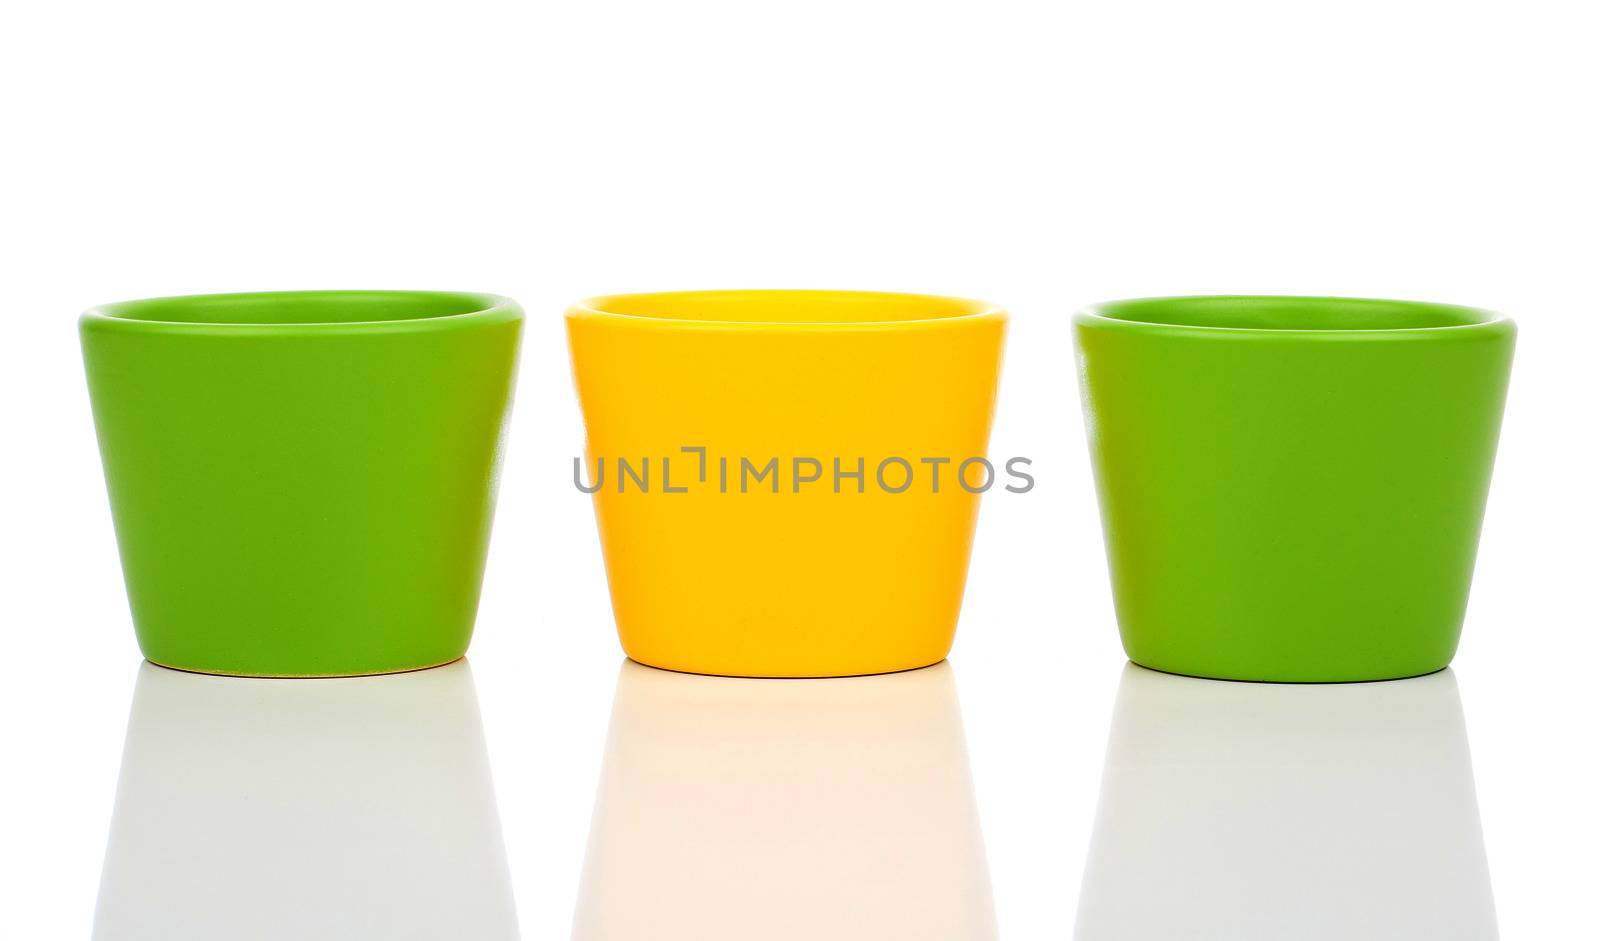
302	483
778	475
1292	488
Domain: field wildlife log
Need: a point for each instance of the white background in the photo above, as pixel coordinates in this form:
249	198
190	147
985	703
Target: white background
1041	156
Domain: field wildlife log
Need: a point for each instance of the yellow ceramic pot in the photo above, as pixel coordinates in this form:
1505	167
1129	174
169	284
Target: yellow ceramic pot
786	482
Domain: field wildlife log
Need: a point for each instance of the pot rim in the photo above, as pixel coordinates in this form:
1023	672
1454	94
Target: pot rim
943	310
428	311
1376	318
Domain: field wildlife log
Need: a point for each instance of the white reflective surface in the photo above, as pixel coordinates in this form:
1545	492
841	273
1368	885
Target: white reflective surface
305	809
788	809
785	809
1259	811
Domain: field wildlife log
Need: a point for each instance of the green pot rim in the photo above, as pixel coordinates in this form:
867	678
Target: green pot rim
477	310
1453	321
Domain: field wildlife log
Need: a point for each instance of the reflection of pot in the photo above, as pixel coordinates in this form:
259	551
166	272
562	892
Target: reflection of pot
1247	810
805	809
277	809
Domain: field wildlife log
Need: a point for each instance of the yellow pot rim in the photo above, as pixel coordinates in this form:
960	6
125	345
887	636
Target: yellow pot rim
684	309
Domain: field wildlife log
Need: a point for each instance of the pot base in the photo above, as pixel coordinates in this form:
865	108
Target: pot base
302	676
774	675
1295	680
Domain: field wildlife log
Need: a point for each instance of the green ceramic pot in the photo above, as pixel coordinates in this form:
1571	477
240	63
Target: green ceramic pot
1292	488
302	483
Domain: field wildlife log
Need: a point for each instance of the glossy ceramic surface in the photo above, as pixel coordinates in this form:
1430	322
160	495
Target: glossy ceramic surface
1292	488
302	483
800	572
